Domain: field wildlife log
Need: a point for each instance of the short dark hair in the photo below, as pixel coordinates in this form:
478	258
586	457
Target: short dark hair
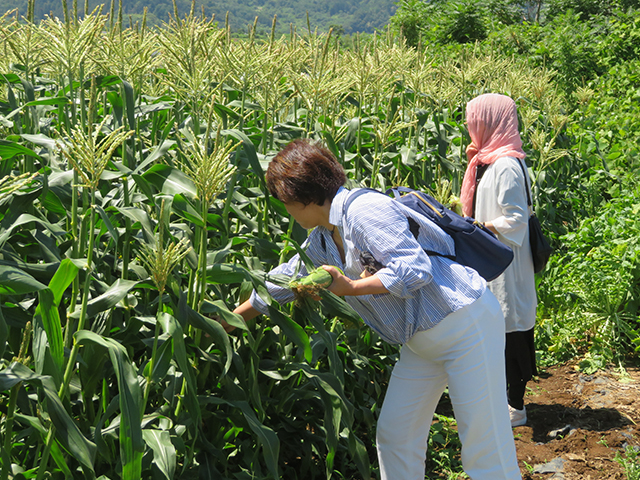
305	172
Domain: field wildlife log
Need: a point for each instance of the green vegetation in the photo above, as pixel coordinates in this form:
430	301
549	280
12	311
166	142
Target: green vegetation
630	461
345	17
133	213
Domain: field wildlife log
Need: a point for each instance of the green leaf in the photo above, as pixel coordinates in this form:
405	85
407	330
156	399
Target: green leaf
65	274
130	107
164	356
67	432
108	299
158	152
332	385
332	418
218	307
14	281
56	452
164	453
41	140
183	207
131	441
170	180
267	437
52	203
107	222
9	78
358	452
292	330
10	149
250	152
210	326
174	330
26	219
144	186
226	273
4	332
48	311
331	143
334	306
141	216
48	101
307	309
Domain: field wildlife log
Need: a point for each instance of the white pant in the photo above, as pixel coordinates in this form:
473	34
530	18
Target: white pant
465	351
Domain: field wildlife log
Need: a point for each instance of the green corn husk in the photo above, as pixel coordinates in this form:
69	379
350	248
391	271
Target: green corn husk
312	284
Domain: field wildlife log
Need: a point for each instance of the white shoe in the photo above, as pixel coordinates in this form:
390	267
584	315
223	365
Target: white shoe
518	417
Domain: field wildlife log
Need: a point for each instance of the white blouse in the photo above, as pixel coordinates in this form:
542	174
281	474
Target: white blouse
501	199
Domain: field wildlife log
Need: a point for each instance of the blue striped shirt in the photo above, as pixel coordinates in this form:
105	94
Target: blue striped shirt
423	289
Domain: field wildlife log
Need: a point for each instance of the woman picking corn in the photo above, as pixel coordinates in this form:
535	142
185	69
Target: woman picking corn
450	325
495	178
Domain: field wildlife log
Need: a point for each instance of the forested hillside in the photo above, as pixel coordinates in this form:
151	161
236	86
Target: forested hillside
345	16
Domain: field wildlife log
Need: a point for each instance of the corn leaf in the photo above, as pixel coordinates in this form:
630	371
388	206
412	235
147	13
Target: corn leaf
292	330
334	306
107	223
225	273
164	453
307	310
4	332
40	139
170	180
14	281
267	437
140	216
131	442
48	312
26	219
211	326
65	274
183	207
250	151
358	453
156	154
56	451
174	330
10	149
67	432
129	102
332	418
108	299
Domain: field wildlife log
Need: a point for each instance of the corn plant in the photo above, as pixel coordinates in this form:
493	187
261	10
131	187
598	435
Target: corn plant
134	214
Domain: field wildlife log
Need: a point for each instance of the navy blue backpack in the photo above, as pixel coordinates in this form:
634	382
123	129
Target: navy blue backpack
476	246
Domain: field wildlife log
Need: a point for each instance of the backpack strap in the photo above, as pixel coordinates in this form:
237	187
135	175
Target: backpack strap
414	227
353	194
526	182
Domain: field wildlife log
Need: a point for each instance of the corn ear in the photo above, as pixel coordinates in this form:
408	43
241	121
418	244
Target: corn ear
312	284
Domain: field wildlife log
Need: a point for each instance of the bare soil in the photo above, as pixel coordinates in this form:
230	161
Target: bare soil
577	423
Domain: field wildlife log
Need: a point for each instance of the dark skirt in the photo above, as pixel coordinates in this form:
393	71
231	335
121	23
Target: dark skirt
520	356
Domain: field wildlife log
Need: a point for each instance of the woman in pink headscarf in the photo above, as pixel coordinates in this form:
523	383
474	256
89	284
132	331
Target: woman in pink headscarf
494	191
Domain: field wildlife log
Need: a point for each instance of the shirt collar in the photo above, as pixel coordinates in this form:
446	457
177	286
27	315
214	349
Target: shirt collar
337	205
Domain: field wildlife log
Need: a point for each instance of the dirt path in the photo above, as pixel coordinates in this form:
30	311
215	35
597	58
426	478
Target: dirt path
577	423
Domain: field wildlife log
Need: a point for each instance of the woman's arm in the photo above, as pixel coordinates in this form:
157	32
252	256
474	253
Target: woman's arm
344	286
490	226
246	310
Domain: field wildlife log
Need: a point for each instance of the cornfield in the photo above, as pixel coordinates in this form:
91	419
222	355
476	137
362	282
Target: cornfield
134	213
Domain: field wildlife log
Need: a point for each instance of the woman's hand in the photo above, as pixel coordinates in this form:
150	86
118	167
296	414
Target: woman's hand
343	286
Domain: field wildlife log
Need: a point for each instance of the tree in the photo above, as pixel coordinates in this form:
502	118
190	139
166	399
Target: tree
411	20
465	22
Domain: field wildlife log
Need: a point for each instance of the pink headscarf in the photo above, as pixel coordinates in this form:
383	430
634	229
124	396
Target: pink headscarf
492	121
